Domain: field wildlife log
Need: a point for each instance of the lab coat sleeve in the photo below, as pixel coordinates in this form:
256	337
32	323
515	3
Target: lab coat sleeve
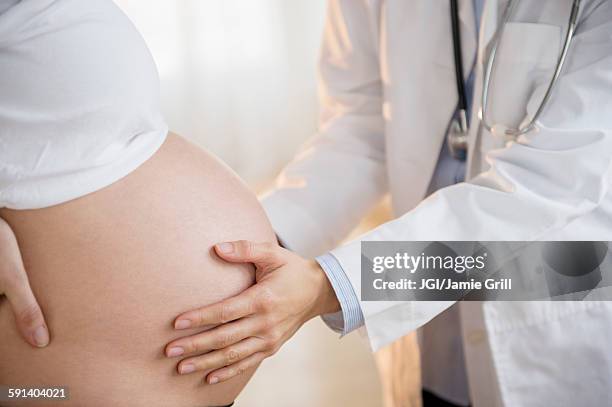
534	186
340	174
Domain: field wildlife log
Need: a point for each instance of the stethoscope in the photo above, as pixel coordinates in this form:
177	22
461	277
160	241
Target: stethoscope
458	131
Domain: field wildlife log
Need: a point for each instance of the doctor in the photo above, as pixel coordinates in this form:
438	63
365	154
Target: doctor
389	92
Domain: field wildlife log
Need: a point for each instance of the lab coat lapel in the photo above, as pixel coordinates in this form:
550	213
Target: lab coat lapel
417	69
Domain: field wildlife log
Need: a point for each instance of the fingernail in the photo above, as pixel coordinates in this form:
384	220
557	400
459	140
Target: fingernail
213	380
176	351
187	368
226	248
182	324
41	337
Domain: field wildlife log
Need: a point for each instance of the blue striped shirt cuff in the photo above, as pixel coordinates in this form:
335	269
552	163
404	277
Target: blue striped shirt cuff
351	316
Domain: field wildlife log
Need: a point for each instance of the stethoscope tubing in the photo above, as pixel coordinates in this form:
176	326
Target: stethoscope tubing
462	107
571	30
457	50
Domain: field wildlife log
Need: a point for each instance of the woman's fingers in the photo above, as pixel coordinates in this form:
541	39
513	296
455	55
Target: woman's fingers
218	313
15	285
224	357
216	338
28	315
236	369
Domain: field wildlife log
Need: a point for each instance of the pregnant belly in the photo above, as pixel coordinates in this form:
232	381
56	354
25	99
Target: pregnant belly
112	270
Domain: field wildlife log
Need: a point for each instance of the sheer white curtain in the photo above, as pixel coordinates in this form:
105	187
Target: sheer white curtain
238	76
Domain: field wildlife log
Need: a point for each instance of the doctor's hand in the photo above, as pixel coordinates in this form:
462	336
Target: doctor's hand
253	325
15	286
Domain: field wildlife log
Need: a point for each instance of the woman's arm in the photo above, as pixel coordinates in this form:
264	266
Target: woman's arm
15	286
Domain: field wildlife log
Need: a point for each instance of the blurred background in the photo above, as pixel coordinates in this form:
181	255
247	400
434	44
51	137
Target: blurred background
238	77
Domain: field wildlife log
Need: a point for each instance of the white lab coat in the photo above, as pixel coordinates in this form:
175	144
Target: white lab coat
388	93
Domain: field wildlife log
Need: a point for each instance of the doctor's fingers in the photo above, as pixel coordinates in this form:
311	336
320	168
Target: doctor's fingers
237	359
219	337
222	312
236	369
229	356
266	256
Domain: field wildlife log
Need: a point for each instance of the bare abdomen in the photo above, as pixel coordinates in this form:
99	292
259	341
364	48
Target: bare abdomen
112	270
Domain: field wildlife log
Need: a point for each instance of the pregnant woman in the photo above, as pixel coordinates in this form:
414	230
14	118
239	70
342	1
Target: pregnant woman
115	218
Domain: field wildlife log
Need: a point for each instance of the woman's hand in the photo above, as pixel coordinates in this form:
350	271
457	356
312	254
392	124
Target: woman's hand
254	324
15	286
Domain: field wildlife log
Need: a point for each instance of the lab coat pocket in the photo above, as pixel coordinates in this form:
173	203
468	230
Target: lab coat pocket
551	353
526	57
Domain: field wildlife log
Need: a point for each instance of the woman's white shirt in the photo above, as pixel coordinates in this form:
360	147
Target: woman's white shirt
79	100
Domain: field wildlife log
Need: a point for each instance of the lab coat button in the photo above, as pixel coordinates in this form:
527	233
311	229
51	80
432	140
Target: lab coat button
476	337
